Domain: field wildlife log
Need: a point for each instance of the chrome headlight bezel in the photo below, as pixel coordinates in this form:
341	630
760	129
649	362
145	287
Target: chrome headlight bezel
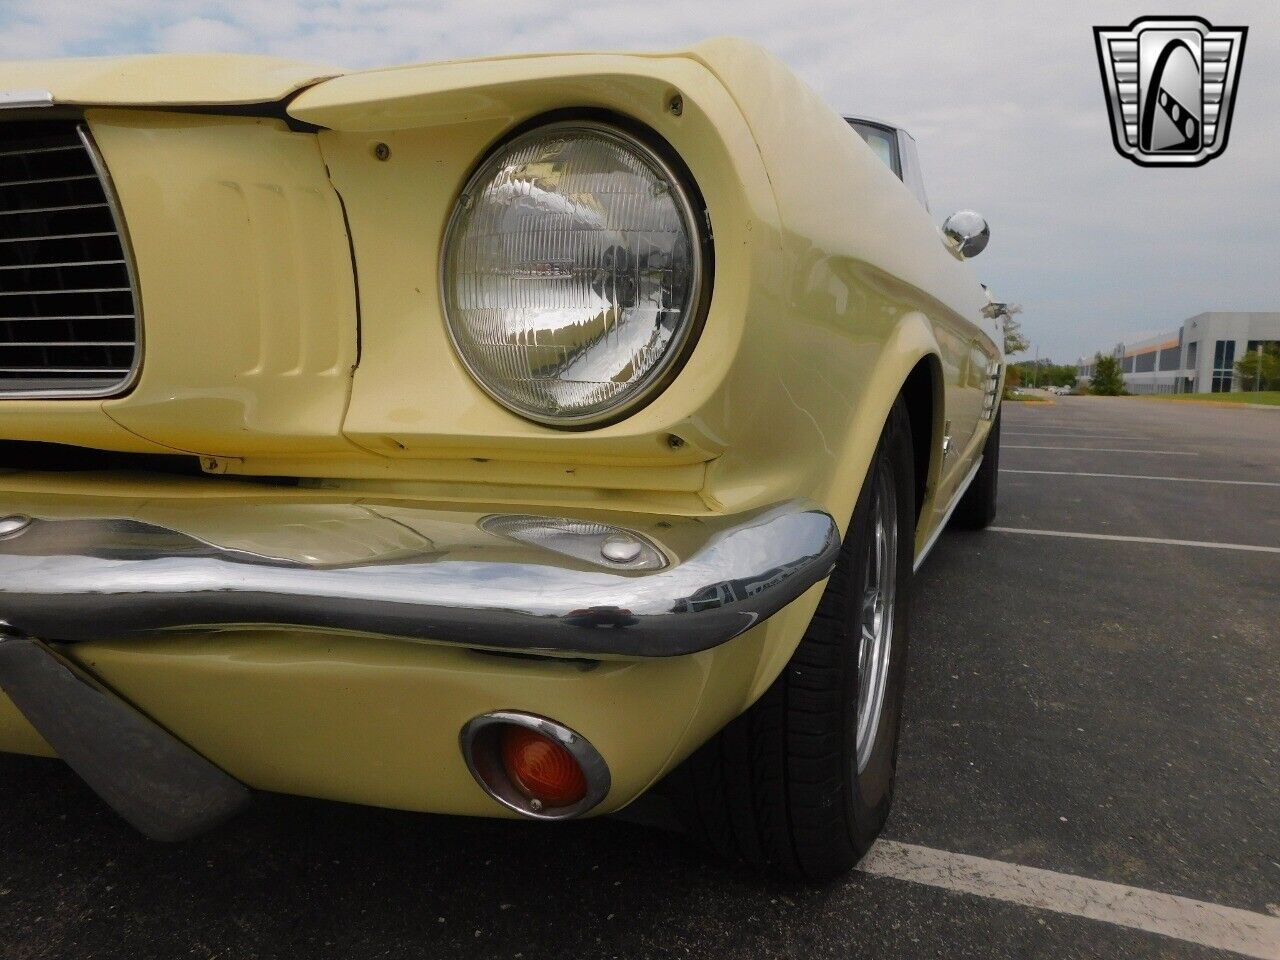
655	151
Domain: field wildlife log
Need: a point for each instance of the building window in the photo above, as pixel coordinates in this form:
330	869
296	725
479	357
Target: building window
1191	355
1170	357
1127	365
1145	362
1224	364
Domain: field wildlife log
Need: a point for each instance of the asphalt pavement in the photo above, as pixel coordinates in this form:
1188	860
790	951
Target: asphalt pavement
1105	711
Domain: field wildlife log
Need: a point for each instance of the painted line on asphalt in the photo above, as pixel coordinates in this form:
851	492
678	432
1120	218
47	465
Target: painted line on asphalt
1067	424
1141	476
1165	453
1180	918
1071	534
1060	435
1044	429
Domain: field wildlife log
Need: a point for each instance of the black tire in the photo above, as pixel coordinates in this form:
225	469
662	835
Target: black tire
977	508
780	787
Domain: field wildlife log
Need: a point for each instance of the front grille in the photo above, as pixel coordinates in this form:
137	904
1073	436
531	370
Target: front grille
68	320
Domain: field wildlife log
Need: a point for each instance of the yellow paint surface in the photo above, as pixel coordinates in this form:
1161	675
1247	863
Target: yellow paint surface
293	327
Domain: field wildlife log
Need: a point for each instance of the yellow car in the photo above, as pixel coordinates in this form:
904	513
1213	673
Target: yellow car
506	437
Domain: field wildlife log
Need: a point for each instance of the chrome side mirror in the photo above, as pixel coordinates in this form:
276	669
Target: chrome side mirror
967	233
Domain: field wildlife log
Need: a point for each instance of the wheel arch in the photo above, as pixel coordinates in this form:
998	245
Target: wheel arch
910	365
924	396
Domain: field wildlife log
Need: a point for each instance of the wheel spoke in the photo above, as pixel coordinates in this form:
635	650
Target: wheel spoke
876	629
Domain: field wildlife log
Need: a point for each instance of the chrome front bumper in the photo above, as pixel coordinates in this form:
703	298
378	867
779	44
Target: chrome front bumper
635	586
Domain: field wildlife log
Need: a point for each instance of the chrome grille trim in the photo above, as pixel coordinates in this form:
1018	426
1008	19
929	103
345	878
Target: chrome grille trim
65	263
78	206
69	319
15	153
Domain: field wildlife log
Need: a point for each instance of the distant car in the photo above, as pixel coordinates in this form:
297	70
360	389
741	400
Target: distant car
657	384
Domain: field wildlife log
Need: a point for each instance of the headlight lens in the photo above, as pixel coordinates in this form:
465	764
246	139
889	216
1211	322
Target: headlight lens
572	274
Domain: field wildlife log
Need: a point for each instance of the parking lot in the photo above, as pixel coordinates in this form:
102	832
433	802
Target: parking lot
1101	709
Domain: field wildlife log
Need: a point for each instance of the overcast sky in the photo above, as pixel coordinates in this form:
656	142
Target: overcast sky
1004	98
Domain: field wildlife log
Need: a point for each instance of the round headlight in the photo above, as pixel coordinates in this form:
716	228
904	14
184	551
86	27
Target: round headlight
572	274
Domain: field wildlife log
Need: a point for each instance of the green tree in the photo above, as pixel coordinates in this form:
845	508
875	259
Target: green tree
1061	375
1262	372
998	310
1106	381
1046	373
1014	339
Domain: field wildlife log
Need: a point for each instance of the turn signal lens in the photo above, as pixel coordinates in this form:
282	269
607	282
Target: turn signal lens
541	768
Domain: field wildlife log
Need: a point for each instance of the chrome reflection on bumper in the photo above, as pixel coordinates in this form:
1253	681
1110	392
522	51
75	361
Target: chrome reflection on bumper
633	586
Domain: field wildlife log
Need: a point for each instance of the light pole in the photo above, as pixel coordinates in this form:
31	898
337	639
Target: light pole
1257	374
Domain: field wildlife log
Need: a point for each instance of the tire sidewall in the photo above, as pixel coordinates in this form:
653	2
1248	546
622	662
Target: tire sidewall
870	793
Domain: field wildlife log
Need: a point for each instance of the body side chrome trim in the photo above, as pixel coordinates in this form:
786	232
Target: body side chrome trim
430	575
942	525
21	99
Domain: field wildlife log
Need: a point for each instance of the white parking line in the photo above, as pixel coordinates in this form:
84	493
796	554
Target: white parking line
1252	548
1073	425
1181	918
1078	428
1059	435
1140	476
1166	453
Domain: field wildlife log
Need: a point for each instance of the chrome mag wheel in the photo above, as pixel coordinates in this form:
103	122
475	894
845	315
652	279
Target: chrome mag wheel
876	627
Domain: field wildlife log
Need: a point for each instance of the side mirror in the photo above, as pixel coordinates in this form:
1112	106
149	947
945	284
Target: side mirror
967	233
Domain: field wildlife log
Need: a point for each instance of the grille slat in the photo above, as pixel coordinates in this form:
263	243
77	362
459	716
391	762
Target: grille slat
77	206
55	266
36	181
91	316
78	343
59	236
68	321
98	371
30	150
47	293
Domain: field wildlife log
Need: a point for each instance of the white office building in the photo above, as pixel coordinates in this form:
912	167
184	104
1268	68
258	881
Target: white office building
1198	357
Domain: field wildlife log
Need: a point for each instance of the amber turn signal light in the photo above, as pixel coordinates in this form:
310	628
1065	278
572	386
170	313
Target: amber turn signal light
534	765
541	769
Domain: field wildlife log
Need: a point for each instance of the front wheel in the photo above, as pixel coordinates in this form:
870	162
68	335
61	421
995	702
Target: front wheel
802	781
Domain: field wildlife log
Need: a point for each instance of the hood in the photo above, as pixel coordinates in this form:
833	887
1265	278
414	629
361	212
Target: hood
162	79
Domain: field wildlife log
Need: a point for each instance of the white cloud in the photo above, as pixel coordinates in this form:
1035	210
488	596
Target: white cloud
1004	98
200	34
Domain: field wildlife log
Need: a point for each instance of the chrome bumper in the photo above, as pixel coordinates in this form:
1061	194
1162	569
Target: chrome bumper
636	586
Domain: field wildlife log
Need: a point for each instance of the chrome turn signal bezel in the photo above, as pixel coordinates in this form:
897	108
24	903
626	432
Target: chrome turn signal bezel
479	743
